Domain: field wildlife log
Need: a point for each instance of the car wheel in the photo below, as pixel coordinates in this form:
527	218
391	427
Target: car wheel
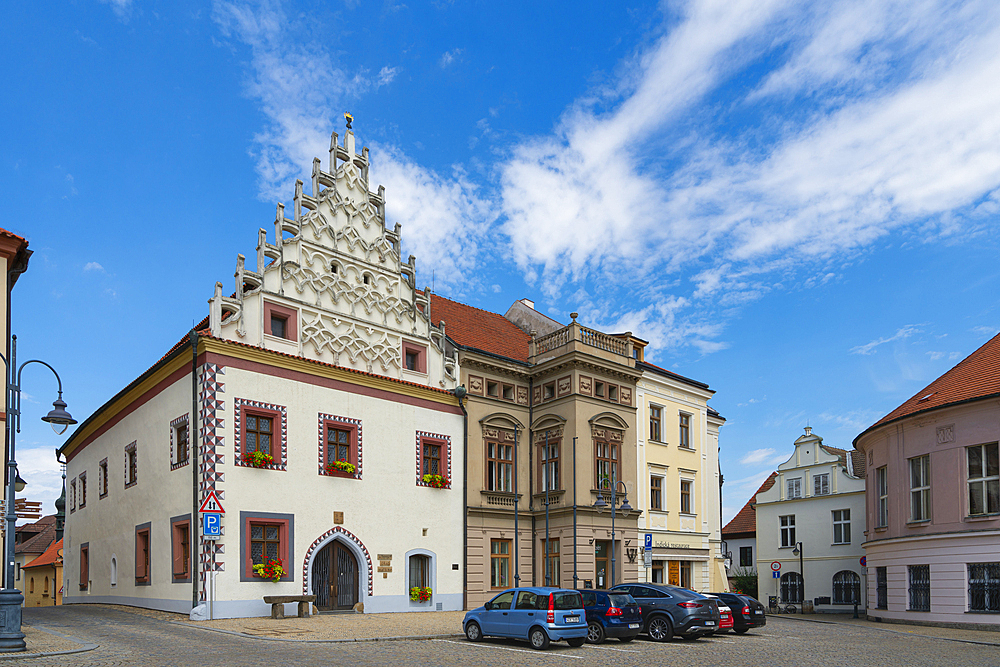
539	640
626	640
595	633
473	632
659	629
576	642
741	631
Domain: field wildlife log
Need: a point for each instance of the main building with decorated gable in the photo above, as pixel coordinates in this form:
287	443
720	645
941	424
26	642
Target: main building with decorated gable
326	426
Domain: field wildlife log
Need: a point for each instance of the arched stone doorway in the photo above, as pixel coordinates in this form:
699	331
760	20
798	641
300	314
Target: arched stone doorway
335	577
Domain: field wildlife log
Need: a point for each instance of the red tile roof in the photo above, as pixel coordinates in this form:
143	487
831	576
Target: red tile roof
745	521
44	533
480	329
50	556
975	377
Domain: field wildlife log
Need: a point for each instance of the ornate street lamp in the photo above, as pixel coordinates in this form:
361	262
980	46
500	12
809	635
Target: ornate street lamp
11	637
600	505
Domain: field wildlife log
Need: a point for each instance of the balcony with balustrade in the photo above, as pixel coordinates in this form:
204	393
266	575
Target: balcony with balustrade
578	338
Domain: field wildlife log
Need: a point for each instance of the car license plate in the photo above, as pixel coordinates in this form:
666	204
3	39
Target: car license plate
633	626
759	612
709	622
572	619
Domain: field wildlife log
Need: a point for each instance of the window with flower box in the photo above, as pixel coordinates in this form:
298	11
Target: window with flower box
433	460
260	434
339	446
264	536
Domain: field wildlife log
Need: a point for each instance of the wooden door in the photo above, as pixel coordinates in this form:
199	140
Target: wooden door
335	577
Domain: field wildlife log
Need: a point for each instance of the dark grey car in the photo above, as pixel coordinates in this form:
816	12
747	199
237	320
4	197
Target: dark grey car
671	610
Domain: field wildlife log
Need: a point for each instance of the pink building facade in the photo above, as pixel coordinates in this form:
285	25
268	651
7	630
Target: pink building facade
932	501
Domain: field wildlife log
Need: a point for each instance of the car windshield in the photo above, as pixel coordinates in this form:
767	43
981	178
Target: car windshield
620	600
567	600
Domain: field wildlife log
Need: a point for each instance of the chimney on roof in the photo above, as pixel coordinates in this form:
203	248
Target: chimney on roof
529	303
809	430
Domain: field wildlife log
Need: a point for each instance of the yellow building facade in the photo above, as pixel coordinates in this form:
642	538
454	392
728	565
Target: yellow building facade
679	481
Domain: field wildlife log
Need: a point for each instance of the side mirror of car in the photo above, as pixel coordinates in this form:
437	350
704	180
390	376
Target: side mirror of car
488	606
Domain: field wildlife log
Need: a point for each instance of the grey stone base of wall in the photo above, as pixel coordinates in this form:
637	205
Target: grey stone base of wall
989	627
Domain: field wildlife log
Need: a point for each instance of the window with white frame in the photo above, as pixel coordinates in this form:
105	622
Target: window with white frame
882	489
821	484
685	430
686	496
787	530
841	526
920	488
794	488
984	479
984	587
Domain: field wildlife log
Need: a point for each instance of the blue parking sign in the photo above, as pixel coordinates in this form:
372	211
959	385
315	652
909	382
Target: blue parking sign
211	525
649	540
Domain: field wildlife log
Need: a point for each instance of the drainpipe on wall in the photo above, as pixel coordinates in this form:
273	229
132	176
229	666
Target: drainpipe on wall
531	480
465	495
194	537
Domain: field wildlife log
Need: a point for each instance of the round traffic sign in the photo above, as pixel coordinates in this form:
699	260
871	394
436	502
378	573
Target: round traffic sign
863	561
775	566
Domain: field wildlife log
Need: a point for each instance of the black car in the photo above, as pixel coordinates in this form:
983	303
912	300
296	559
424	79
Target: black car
672	610
611	614
747	612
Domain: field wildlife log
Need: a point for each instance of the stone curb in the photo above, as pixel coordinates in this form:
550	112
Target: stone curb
320	641
793	617
84	646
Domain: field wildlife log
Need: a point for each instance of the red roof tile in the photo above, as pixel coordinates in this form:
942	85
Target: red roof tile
745	520
480	329
975	377
50	556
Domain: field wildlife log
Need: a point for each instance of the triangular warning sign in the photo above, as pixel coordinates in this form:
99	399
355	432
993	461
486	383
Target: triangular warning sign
211	505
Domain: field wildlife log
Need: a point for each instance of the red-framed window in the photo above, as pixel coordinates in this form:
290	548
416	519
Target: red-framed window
261	427
340	439
414	357
280	321
433	458
142	555
180	548
84	566
263	536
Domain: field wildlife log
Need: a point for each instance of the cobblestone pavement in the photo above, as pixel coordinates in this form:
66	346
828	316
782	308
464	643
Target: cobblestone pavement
127	638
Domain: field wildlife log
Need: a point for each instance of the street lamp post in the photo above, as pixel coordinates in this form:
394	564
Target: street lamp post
626	509
797	551
11	637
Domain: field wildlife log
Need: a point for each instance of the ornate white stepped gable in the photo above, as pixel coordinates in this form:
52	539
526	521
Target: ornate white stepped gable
335	271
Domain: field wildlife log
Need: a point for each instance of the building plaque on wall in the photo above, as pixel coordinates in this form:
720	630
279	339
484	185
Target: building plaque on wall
338	518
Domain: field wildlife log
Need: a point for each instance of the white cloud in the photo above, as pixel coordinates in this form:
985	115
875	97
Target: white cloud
757	456
93	266
901	334
121	8
386	75
897	125
449	57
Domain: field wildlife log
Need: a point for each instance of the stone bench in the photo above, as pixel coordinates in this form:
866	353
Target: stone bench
278	603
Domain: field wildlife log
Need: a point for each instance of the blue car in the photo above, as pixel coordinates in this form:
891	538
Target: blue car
611	614
539	615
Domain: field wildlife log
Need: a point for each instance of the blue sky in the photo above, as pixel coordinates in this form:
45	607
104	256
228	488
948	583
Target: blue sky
794	202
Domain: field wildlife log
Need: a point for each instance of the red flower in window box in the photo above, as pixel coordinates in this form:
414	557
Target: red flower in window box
257	459
437	481
341	466
270	570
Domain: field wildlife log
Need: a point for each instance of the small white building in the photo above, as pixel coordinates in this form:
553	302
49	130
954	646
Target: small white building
315	403
812	522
